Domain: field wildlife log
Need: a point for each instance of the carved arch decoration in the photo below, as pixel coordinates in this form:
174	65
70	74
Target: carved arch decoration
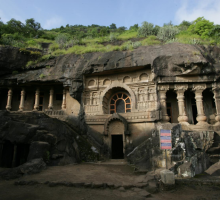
123	86
91	83
144	77
127	79
113	117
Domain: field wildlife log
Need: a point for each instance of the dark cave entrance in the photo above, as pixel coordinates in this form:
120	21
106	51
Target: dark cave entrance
194	110
117	147
13	155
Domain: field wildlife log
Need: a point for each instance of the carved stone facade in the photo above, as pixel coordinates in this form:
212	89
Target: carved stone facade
138	85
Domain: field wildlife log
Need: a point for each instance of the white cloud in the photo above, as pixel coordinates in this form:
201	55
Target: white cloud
210	9
53	22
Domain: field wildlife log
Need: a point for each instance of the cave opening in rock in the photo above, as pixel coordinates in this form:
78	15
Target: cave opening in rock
13	155
117	147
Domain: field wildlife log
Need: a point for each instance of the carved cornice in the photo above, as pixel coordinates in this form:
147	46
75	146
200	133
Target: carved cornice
163	87
200	87
181	87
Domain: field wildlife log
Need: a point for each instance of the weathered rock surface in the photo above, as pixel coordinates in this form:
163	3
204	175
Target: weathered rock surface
49	138
31	167
11	59
214	170
167	60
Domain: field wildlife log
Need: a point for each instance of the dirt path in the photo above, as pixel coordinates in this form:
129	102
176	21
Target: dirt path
92	173
89	173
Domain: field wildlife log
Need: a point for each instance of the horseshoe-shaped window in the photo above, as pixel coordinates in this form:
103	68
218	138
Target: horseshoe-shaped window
120	103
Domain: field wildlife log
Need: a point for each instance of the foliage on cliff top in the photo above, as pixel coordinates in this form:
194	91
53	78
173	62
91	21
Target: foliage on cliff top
81	39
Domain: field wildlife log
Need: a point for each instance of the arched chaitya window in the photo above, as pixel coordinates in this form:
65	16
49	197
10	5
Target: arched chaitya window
120	103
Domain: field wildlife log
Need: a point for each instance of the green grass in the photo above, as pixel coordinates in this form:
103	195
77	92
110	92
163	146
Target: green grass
151	40
128	35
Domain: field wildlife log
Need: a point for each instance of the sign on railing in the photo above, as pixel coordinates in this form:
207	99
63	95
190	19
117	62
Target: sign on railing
165	139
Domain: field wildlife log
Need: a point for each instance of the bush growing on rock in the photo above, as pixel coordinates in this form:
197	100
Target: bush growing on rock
167	32
146	29
61	39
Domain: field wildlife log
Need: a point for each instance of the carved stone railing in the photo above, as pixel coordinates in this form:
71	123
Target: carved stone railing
55	112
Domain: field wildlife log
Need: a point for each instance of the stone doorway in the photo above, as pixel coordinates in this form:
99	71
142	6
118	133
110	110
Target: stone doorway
116	130
117	147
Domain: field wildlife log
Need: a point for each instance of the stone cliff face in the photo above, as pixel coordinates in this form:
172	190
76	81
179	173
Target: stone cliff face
169	60
45	134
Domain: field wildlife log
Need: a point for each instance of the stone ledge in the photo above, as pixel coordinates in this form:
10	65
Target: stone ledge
95	185
197	182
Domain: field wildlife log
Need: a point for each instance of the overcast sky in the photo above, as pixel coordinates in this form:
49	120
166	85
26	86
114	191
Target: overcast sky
54	13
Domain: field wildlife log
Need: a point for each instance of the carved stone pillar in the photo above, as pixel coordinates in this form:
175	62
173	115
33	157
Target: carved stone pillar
8	106
162	95
201	118
64	100
216	91
50	106
21	106
180	90
37	100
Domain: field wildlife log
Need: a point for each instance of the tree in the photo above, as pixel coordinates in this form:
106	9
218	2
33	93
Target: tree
201	27
184	25
14	26
215	33
134	27
113	26
32	25
121	29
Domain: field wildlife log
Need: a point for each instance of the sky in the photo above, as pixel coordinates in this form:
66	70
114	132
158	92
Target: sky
54	13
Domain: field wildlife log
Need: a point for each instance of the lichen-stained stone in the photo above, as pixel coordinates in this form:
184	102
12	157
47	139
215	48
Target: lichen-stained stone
167	177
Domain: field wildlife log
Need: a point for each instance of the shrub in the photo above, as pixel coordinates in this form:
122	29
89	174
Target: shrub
54	47
113	37
41	76
167	32
136	44
61	39
146	29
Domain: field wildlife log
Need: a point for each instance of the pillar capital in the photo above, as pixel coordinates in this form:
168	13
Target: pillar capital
199	87
180	87
163	87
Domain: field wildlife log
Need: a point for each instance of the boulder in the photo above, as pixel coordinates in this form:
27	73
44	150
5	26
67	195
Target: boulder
214	170
39	150
167	177
31	167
